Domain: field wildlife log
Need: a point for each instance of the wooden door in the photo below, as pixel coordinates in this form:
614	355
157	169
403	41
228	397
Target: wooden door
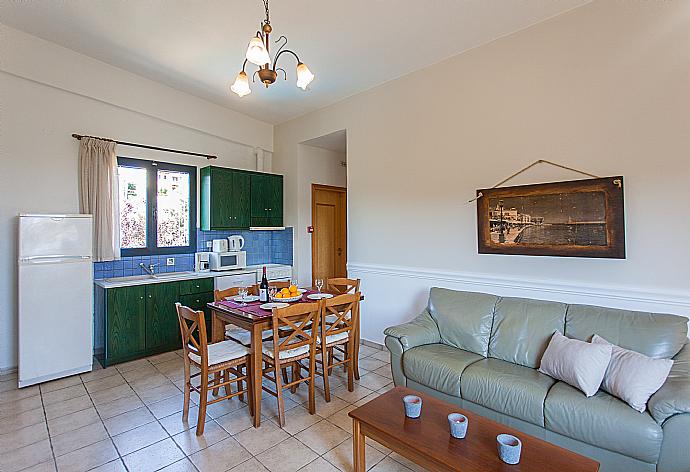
329	240
162	326
125	324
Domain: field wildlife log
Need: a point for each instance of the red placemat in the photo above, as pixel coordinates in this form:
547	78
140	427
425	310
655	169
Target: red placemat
254	308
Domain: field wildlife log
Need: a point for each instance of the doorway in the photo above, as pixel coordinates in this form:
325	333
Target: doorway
329	238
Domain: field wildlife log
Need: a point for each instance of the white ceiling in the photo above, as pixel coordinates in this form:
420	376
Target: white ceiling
336	141
350	45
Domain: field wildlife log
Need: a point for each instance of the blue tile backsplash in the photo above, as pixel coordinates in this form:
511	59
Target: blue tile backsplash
263	247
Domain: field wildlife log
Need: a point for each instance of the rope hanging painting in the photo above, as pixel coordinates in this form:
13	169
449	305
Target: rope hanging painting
578	218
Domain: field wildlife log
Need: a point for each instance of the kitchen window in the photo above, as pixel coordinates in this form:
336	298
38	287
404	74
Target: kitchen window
157	207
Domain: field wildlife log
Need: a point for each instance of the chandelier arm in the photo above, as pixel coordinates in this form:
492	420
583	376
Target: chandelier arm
275	61
244	64
279	49
284	73
254	76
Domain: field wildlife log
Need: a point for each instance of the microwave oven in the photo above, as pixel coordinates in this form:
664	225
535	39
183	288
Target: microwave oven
227	260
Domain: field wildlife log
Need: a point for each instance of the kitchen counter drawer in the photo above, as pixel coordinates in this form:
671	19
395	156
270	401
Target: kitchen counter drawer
196	286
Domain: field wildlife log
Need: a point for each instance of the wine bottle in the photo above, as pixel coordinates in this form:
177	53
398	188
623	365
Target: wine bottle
263	288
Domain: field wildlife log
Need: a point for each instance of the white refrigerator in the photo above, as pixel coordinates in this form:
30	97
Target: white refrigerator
55	297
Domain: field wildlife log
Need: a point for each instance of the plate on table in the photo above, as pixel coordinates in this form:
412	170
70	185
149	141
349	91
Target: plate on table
288	299
319	296
247	299
271	306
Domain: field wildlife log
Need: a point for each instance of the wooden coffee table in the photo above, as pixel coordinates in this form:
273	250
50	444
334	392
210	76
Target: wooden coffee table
427	440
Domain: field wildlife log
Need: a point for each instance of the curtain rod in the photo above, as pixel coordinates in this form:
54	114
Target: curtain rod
145	146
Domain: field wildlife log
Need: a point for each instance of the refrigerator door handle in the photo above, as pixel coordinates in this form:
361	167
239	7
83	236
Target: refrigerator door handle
52	258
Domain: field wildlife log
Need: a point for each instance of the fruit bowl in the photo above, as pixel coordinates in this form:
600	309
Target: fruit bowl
295	298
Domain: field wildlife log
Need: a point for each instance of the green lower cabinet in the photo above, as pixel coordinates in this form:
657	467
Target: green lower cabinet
162	325
125	327
199	301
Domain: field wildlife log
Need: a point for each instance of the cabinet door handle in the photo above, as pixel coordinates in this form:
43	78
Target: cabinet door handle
150	296
141	298
198	301
197	286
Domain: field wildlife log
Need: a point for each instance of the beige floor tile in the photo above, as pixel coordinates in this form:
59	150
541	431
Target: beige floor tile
119	406
113	466
139	437
68	406
173	424
319	465
23	437
237	421
14	407
269	406
73	421
159	393
171	368
369	363
366	351
220	457
25	457
111	394
149	381
358	392
21	420
140	373
166	356
48	466
385	389
406	462
10	392
373	381
154	457
341	456
385	371
224	407
127	421
60	384
322	437
73	440
378	446
341	418
167	407
98	374
87	457
257	440
67	393
383	356
389	465
190	443
252	465
367	399
132	365
105	383
185	465
288	456
326	409
298	419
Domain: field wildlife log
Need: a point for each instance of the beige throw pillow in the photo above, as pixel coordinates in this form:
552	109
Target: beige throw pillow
633	377
577	363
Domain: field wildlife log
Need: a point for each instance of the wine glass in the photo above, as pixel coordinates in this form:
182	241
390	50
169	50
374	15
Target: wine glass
272	290
243	292
319	284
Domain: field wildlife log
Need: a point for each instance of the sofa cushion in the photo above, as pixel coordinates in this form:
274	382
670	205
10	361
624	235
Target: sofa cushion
438	366
464	318
654	335
508	388
522	329
603	421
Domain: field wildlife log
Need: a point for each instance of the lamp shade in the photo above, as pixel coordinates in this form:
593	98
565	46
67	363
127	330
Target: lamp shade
304	76
241	85
257	53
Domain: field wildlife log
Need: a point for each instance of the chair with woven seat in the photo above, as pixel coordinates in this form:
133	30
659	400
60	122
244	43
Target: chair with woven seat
221	360
289	347
233	332
339	319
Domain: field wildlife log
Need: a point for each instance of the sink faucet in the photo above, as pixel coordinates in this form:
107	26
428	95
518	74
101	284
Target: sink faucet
148	269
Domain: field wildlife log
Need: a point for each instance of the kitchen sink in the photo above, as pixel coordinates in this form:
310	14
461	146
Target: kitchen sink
137	278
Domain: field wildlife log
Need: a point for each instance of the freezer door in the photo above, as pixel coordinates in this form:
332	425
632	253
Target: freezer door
55	320
62	236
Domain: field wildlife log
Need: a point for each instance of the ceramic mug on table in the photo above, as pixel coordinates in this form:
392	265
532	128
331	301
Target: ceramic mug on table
413	406
509	448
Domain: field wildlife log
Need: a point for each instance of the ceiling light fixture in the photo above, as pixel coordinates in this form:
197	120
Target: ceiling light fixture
258	54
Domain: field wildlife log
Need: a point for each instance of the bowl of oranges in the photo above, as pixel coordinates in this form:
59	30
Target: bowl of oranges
290	294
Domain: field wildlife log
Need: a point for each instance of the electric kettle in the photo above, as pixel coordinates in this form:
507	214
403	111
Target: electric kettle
235	243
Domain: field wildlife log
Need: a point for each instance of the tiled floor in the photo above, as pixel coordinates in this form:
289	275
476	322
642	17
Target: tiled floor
129	418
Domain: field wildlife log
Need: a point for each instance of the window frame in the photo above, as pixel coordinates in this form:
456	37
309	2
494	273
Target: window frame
152	168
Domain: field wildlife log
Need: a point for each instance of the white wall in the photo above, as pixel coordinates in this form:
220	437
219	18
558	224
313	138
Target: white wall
603	88
315	166
47	93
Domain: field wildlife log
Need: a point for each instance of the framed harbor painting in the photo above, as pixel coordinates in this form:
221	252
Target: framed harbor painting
578	218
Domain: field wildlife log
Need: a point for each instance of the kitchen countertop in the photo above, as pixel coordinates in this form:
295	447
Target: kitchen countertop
177	276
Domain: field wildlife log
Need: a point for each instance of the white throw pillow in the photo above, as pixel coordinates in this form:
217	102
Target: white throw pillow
577	363
633	377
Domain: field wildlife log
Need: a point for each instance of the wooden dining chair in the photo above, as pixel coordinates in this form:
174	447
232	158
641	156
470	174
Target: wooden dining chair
280	284
232	331
342	285
337	334
289	347
225	358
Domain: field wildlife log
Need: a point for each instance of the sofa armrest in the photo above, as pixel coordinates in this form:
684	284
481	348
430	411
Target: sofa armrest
674	396
422	330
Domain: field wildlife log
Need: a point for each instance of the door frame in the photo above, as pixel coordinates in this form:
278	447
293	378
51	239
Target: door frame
332	188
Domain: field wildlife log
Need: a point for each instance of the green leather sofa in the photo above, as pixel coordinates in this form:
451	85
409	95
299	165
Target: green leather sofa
482	352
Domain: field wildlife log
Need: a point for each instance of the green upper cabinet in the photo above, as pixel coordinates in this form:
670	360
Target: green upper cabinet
267	200
162	325
225	197
125	335
238	199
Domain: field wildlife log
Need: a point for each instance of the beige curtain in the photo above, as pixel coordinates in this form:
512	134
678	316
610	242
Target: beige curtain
98	195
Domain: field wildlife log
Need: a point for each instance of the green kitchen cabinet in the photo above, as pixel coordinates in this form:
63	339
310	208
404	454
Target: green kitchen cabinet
225	198
162	325
198	301
125	329
266	200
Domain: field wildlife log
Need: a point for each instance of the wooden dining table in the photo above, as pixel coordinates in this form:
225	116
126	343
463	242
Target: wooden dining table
222	315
